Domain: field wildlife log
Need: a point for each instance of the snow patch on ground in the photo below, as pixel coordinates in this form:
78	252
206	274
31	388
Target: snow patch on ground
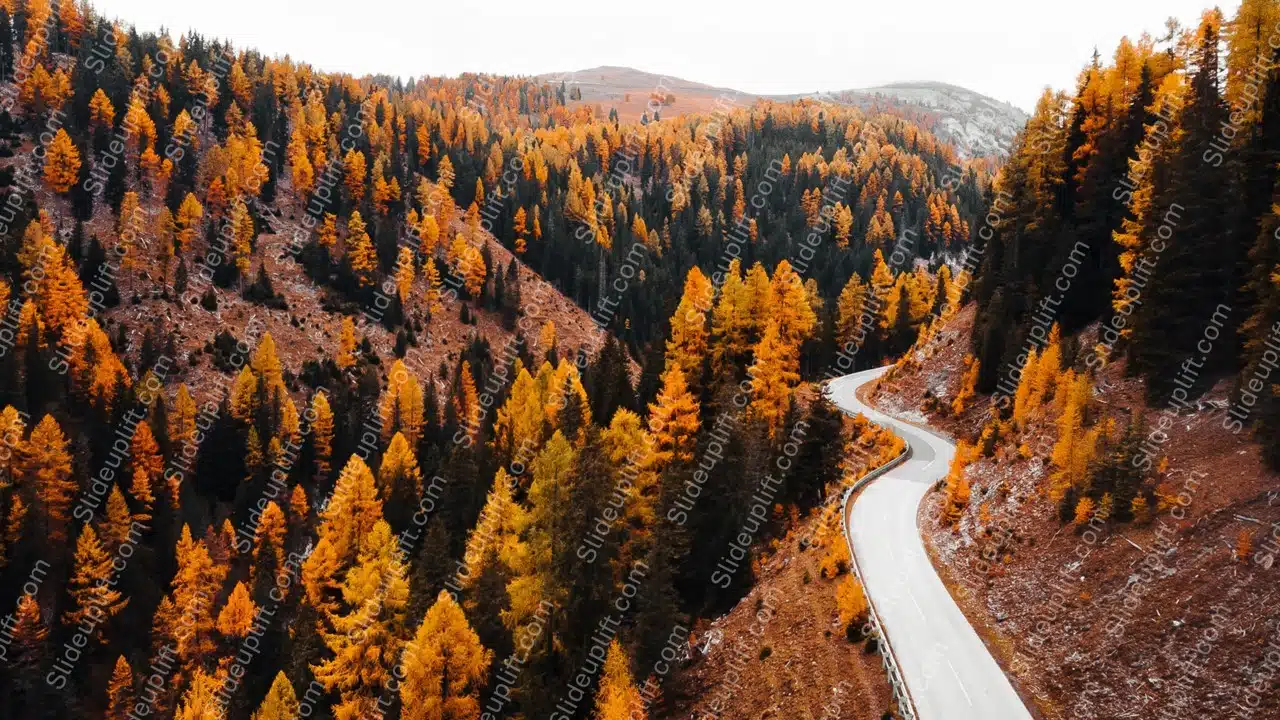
892	405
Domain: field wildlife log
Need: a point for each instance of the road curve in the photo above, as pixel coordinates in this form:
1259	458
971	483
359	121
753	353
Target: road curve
948	671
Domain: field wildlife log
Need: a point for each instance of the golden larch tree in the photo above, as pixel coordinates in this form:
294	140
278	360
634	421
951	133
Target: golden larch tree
521	230
547	336
399	477
241	159
629	446
29	634
101	112
1076	445
791	307
1248	38
1027	396
851	601
968	385
266	364
757	305
401	405
144	452
467	401
956	497
114	528
521	419
617	697
383	193
268	542
429	231
850	307
470	265
346	356
129	225
435	289
182	419
687	346
360	253
1049	366
327	233
299	510
546	534
190	212
281	702
164	229
36	243
843	225
495	541
61	163
353	168
46	466
353	509
322	433
728	329
236	617
191	598
99	373
61	297
244	394
200	702
243	234
120	691
94	598
300	168
673	422
772	379
882	284
365	642
445	666
320	579
405	275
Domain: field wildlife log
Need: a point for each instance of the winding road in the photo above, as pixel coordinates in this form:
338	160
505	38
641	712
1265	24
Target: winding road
948	671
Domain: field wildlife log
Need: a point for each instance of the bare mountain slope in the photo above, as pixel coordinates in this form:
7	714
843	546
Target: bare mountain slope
629	90
976	124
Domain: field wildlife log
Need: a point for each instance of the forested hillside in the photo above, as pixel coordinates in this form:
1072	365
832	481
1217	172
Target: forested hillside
298	420
1109	519
1145	202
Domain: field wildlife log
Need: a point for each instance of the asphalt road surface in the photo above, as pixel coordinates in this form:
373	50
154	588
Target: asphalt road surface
948	671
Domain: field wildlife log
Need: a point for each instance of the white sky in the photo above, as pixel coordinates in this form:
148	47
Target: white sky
1008	49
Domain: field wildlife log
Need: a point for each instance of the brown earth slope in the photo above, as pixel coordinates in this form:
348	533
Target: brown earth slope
782	651
309	328
1173	617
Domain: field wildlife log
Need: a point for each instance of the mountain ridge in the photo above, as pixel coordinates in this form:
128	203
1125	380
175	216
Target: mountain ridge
976	124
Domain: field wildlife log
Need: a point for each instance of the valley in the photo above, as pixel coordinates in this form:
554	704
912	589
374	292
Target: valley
605	395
